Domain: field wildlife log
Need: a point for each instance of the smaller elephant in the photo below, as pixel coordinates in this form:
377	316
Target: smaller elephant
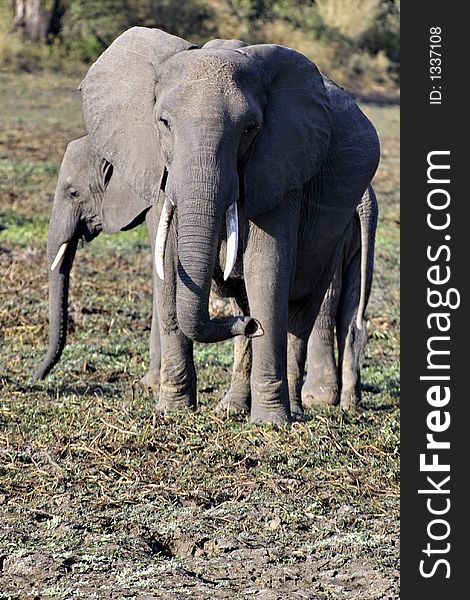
90	197
343	309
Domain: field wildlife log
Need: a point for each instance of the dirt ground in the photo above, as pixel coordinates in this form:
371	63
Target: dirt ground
100	497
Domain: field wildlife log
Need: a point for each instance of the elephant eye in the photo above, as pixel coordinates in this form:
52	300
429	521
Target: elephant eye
165	122
251	128
73	193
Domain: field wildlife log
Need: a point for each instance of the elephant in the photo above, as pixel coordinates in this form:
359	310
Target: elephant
343	307
90	197
253	137
83	174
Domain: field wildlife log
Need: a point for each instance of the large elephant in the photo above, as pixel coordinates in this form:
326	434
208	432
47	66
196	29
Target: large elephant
250	136
90	197
84	191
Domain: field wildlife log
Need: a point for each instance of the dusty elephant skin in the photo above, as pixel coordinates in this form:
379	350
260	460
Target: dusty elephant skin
227	123
85	197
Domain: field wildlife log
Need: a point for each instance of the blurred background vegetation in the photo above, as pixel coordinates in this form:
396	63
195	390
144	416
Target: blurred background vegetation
356	42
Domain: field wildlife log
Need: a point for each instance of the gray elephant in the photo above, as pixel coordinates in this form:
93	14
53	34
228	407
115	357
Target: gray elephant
90	197
249	136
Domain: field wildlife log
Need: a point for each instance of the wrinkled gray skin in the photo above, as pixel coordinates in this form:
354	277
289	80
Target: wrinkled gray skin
345	299
256	125
83	182
88	193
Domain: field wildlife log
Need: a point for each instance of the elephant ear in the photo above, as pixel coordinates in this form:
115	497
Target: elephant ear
118	96
296	130
121	206
219	43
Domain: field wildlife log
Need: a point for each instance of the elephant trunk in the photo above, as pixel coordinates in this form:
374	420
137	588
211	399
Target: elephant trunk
201	206
59	276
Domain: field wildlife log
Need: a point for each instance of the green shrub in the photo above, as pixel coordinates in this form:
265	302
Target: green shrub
88	27
350	18
355	41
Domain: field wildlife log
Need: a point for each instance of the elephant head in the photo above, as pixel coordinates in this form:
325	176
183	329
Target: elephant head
89	197
216	127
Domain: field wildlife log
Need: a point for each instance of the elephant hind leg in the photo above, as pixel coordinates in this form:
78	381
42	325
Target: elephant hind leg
321	384
350	351
351	340
296	356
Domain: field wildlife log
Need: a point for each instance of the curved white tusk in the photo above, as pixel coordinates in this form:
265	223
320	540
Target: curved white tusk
231	220
162	234
59	255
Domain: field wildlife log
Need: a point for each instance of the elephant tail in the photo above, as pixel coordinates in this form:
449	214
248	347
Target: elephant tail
367	211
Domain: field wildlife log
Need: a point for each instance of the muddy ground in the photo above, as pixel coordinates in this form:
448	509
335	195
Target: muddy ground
102	498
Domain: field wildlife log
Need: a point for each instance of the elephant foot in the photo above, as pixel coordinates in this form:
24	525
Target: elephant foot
319	395
236	401
167	406
151	380
296	408
270	404
270	417
172	400
297	411
350	400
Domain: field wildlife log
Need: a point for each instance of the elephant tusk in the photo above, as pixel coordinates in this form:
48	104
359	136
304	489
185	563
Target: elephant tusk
162	234
59	255
231	220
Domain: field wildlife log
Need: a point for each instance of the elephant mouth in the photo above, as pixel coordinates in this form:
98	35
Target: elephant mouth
231	223
90	231
86	232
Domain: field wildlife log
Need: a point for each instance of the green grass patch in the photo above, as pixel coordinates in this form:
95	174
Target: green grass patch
19	231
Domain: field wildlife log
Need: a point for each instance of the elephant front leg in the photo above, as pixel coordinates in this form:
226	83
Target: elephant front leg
238	397
177	373
171	352
268	265
269	391
321	384
152	378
